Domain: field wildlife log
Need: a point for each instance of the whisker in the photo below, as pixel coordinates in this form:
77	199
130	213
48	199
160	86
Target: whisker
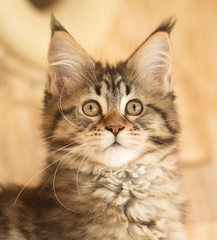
32	178
68	145
37	174
164	143
86	155
93	148
54	181
45	184
44	139
78	155
61	109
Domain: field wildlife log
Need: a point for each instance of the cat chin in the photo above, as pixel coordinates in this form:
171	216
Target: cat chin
115	157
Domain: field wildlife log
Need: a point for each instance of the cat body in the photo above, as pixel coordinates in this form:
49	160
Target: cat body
111	138
125	204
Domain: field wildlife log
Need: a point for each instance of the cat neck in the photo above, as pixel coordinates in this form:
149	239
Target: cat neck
78	163
139	174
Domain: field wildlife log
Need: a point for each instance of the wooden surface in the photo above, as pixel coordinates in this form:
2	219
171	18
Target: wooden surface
195	57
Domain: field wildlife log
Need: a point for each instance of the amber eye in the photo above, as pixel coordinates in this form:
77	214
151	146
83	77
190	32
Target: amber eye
92	108
134	107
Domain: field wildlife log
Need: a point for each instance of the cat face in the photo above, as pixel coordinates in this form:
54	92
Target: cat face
110	115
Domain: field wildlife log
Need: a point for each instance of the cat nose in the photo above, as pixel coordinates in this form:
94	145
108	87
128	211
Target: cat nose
115	129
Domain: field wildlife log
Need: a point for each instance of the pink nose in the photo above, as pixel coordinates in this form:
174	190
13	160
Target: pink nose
115	129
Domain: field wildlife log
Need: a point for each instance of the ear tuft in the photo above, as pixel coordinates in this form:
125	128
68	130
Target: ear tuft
166	26
68	62
56	26
150	64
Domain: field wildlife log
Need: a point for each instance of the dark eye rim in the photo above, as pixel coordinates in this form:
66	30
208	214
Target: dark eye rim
134	100
92	101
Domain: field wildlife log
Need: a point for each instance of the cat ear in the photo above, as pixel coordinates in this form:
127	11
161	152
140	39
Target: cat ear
67	62
150	64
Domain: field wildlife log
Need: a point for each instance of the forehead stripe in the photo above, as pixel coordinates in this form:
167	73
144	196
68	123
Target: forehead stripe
127	88
107	83
98	90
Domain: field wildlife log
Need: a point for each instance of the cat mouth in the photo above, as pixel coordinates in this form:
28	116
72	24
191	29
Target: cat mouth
115	144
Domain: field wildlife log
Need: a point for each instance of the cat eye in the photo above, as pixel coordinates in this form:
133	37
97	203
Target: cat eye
134	107
92	108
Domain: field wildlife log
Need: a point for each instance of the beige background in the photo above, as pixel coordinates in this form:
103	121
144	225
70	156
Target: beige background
111	30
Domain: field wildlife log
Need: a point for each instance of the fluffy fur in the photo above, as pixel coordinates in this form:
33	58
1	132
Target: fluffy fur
100	182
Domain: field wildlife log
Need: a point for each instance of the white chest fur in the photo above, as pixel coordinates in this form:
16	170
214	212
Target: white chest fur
149	198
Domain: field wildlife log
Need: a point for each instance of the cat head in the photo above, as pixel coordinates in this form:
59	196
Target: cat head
109	115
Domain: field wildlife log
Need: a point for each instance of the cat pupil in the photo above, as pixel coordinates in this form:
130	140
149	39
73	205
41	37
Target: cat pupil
90	108
134	107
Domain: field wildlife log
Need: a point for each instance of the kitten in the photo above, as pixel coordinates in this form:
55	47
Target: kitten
111	134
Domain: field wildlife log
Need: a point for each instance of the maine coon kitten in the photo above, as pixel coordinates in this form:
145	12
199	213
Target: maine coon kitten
111	138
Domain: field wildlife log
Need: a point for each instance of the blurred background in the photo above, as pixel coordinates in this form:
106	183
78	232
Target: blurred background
110	30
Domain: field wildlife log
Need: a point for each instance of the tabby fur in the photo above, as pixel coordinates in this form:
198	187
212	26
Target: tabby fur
112	176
